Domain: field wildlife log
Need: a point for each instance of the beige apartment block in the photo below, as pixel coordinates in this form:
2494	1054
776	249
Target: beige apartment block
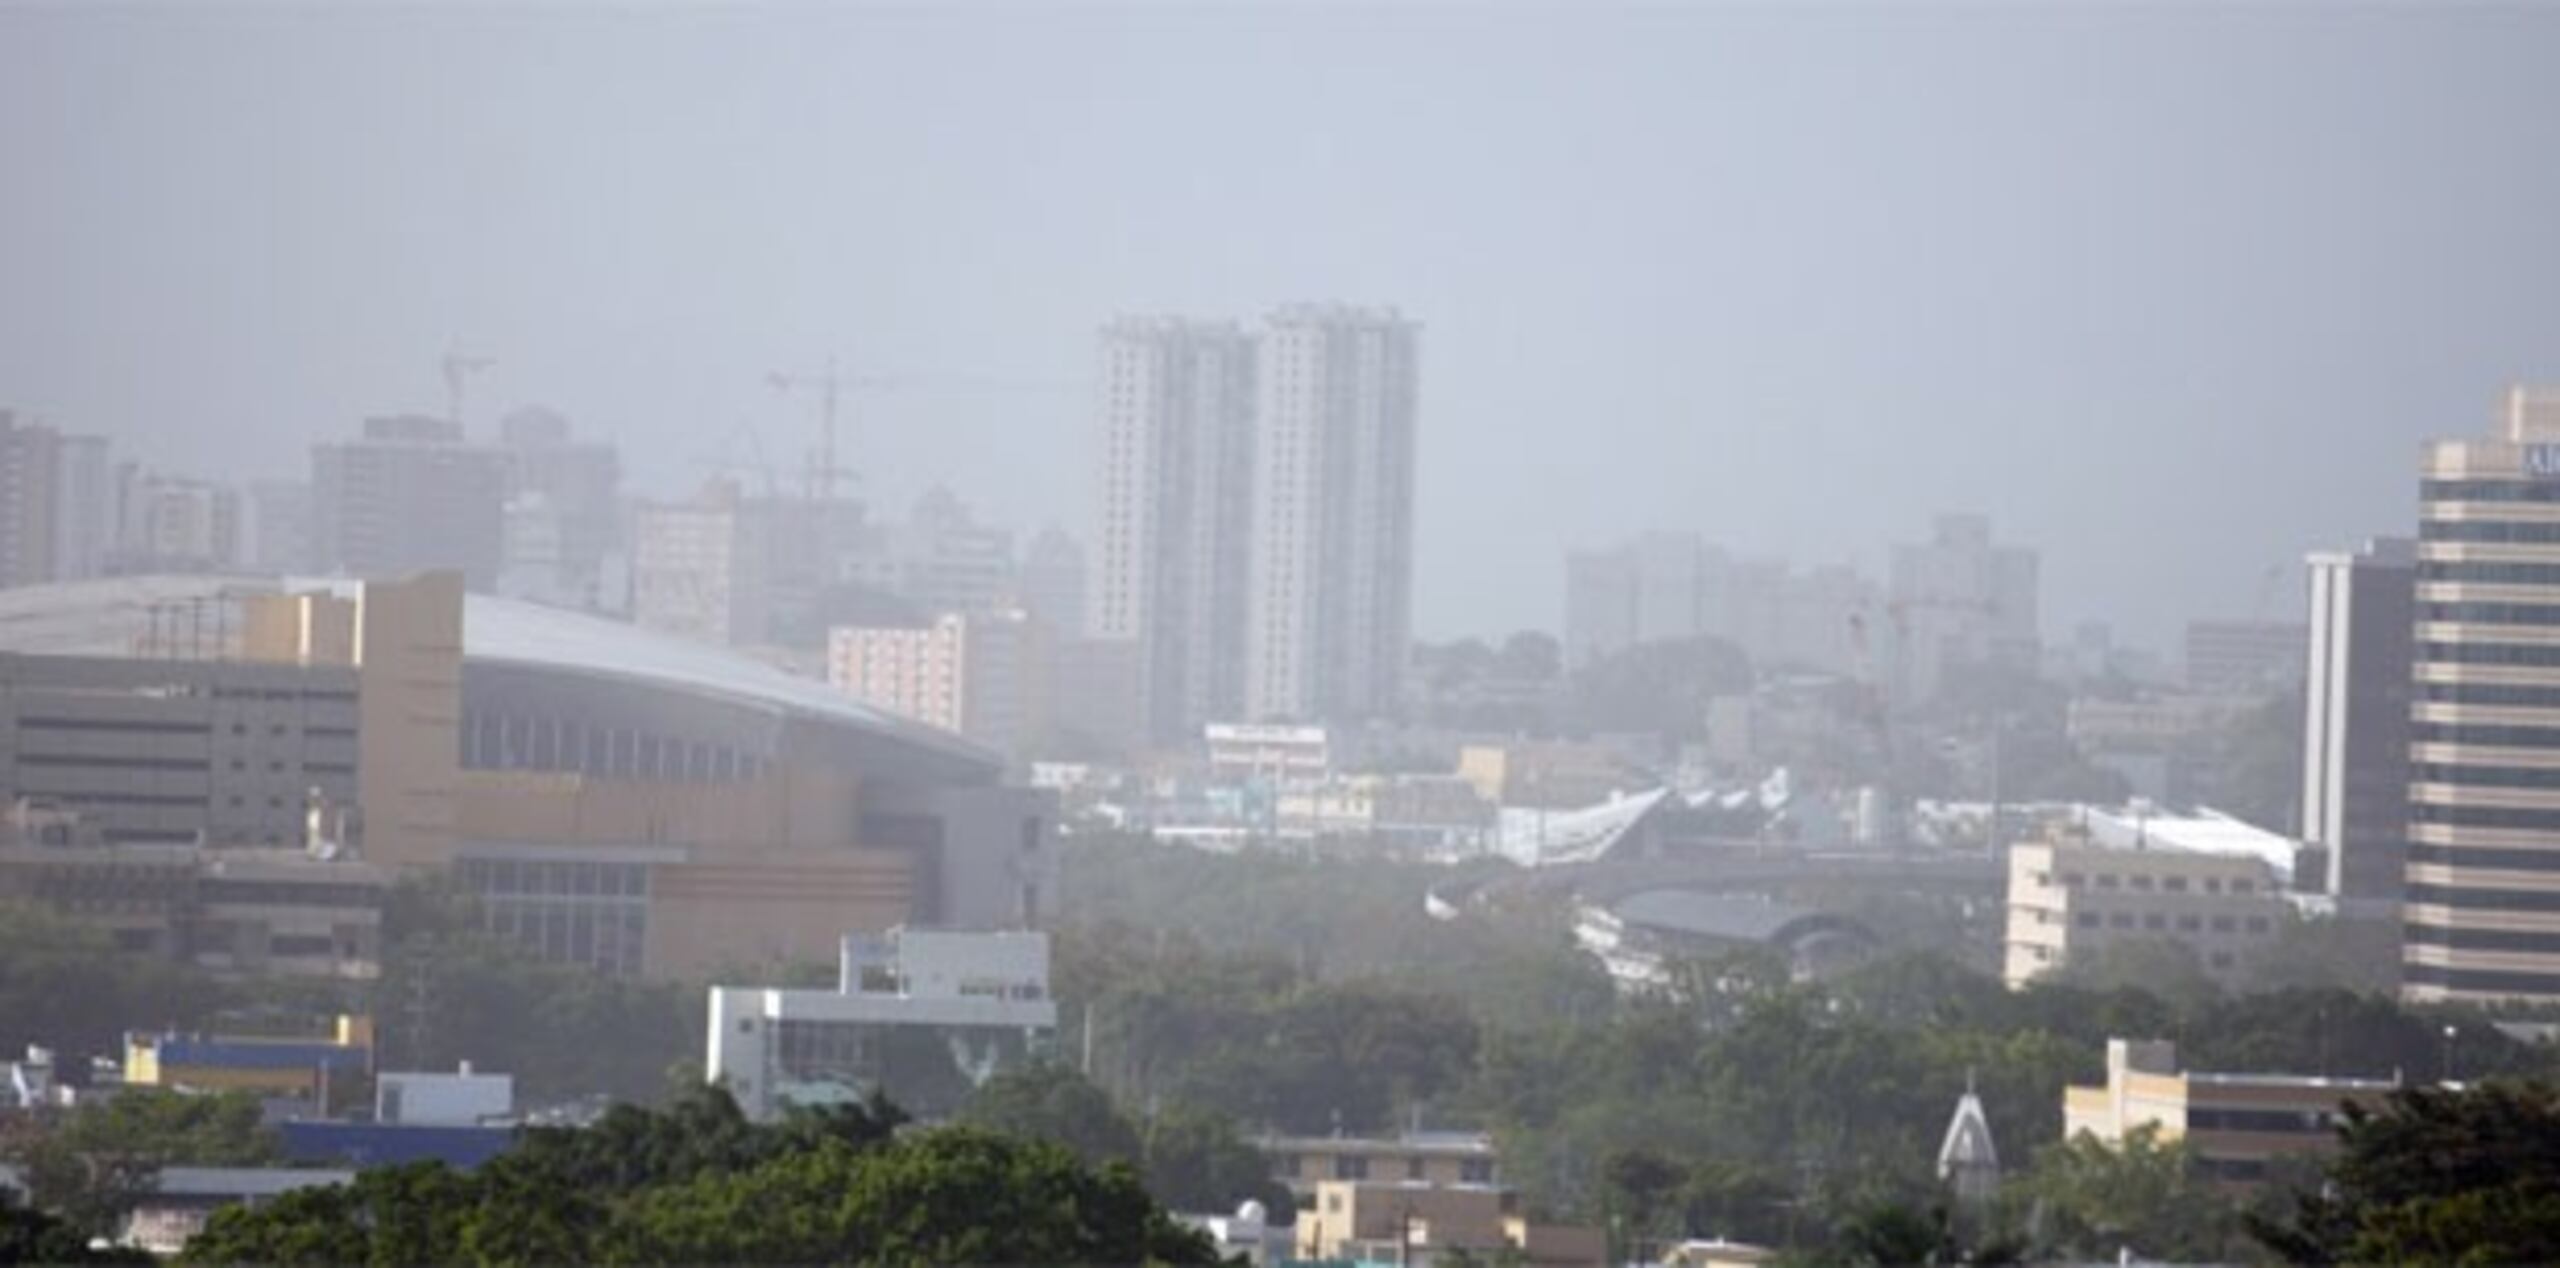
2070	897
2238	1126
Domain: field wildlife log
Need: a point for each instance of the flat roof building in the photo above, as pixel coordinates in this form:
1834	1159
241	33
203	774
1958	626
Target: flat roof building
2236	1125
2207	882
615	798
924	1015
2483	879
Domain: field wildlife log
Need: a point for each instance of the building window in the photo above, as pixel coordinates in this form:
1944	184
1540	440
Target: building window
1475	1171
1346	1167
2258	924
2120	920
1413	1168
2088	920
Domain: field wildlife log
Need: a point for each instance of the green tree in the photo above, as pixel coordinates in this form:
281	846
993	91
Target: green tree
1050	1101
30	1236
2435	1176
1196	1161
91	1164
2093	1200
952	1196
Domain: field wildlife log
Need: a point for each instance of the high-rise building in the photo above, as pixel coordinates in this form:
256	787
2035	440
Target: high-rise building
943	560
1177	501
1050	584
981	674
1667	586
1329	621
2355	776
2245	657
279	526
84	514
409	496
172	524
1959	599
564	507
30	500
2483	897
695	568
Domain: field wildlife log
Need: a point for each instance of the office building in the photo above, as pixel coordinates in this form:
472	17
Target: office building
2245	657
1177	504
2235	1126
2355	777
613	798
84	531
1957	600
2483	883
982	675
924	1015
1328	625
578	483
1050	584
409	495
1389	1221
945	561
1666	587
171	524
1438	1158
279	528
30	500
2209	883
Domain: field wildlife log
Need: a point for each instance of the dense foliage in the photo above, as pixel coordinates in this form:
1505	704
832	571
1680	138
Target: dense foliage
88	1166
2436	1176
698	1183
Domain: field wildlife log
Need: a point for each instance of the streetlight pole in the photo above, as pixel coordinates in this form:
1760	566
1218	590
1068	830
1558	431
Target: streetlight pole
2449	1031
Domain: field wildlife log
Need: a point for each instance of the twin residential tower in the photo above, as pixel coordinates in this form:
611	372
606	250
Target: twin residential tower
1256	532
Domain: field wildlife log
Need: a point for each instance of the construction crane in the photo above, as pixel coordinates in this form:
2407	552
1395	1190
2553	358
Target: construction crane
830	387
723	462
459	366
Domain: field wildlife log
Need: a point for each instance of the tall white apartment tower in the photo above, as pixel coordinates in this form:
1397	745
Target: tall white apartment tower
1332	570
1176	502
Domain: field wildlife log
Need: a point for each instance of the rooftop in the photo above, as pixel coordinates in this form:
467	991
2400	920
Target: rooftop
114	616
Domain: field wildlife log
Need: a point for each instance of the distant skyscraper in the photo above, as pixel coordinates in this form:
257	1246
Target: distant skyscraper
2355	779
30	500
84	515
1329	622
280	526
1670	585
1051	582
565	501
1958	599
409	496
168	524
2245	656
2483	897
1176	500
696	568
946	561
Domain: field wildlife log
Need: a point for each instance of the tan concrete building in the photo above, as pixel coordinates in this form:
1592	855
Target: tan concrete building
2483	882
2237	1125
981	674
2080	890
1437	1158
632	802
1406	1222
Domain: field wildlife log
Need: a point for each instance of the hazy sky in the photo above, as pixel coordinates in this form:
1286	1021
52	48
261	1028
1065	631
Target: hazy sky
2172	292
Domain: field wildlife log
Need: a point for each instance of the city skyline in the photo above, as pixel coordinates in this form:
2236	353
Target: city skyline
2095	243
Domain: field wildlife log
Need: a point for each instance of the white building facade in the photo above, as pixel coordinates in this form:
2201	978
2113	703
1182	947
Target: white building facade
1329	622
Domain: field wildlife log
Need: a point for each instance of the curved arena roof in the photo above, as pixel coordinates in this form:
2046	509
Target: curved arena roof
117	616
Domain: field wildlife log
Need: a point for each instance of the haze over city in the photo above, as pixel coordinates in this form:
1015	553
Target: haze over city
1397	635
2172	292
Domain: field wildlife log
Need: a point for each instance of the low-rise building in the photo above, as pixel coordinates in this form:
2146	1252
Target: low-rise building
2236	1125
441	1098
1418	1223
923	1015
2206	882
1276	754
315	1069
1442	1158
